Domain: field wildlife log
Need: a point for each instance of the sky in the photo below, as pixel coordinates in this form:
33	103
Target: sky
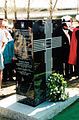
67	3
60	3
41	3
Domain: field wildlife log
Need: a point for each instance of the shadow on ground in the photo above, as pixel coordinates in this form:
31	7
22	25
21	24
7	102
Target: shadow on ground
8	88
73	82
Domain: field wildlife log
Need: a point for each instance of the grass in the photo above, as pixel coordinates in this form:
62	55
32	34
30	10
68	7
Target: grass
70	113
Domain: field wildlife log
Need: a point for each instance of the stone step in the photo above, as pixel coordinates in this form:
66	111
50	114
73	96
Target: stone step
11	108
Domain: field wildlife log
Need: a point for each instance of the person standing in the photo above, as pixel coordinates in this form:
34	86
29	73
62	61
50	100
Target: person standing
74	47
3	42
66	38
8	53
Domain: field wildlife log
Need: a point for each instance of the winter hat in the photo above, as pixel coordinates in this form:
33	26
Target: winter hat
77	18
66	18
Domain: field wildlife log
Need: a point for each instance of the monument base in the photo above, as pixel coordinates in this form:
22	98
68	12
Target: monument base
11	108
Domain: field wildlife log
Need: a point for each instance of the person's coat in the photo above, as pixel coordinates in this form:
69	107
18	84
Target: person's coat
73	48
8	53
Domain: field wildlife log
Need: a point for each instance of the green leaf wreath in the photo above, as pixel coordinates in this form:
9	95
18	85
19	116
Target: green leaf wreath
56	87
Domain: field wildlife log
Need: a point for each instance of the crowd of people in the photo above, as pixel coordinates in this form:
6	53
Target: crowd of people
70	45
6	52
70	49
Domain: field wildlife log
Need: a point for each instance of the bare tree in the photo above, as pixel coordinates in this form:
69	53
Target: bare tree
15	13
51	9
5	10
28	10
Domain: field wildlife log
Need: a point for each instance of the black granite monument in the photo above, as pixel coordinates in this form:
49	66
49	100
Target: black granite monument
33	50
